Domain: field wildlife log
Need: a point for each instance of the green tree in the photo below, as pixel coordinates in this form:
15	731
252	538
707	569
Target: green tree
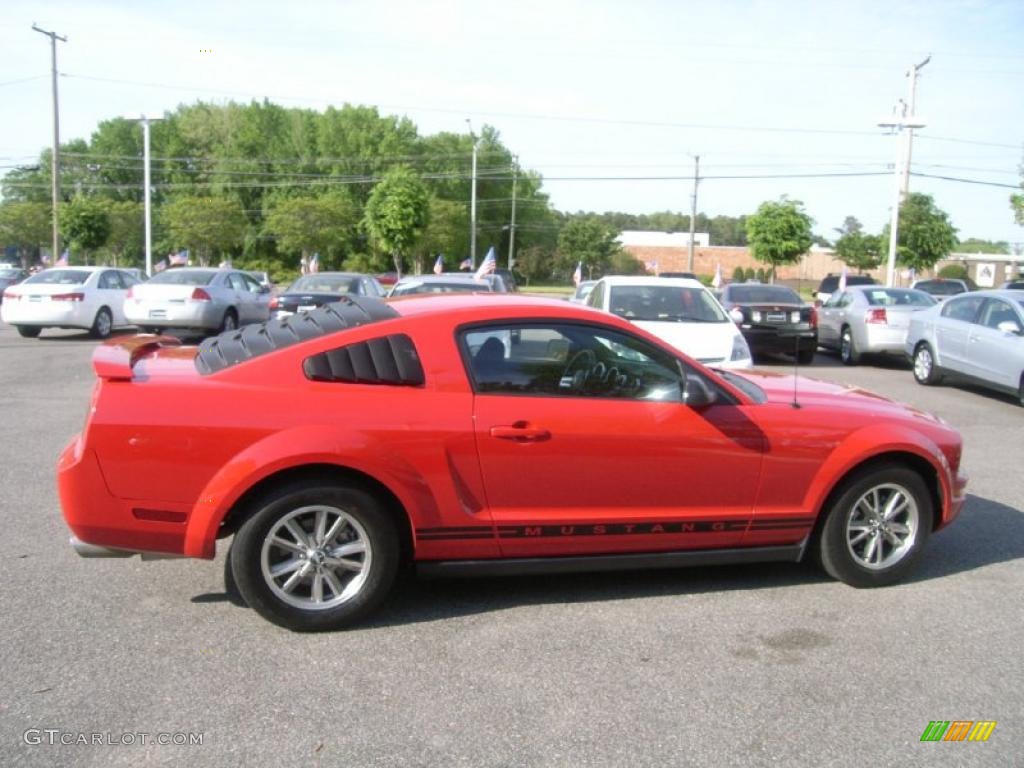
536	263
624	263
205	225
925	233
127	229
85	225
976	245
305	225
779	233
26	226
397	213
448	231
587	240
857	249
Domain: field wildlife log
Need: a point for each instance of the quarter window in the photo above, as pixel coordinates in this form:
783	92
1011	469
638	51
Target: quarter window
569	360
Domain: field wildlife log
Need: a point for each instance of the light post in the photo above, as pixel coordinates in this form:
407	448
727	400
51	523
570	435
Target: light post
472	200
900	122
146	187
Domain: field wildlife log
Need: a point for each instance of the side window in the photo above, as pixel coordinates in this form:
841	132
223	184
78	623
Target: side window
835	299
128	280
568	360
252	285
596	297
996	312
111	280
965	309
237	282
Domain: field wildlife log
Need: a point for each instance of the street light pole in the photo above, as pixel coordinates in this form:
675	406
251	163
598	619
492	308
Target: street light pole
900	123
912	74
55	159
512	223
146	185
693	209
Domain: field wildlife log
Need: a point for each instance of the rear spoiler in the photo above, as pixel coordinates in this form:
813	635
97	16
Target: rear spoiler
115	359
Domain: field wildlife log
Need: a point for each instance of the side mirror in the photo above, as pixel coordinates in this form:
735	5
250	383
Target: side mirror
696	392
264	289
1008	326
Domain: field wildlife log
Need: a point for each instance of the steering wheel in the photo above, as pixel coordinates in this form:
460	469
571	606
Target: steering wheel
577	372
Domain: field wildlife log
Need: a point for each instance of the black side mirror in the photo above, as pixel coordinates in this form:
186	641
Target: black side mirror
697	393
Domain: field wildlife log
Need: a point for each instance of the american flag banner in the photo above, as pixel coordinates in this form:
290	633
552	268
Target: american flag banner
842	279
314	263
577	276
466	264
178	259
488	265
160	266
439	264
716	281
63	260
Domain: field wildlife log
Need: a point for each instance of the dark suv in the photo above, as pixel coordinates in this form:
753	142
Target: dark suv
830	284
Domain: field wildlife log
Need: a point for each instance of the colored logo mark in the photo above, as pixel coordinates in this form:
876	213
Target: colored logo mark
958	730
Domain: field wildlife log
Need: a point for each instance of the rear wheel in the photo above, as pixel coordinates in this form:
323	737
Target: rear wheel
1020	391
848	351
28	331
316	556
230	321
925	371
805	356
877	527
102	325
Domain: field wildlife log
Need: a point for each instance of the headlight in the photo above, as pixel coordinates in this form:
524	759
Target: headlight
755	316
740	350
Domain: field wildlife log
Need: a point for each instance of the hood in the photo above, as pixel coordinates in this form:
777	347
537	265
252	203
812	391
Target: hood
701	341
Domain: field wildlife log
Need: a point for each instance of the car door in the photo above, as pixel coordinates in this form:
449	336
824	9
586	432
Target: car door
240	297
830	318
110	291
952	329
993	354
259	298
586	445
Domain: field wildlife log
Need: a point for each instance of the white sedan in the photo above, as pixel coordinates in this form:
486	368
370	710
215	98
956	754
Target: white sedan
68	297
678	310
198	299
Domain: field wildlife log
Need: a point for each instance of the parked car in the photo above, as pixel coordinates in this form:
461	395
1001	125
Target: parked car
773	319
197	299
68	297
387	278
869	319
690	275
941	288
263	278
508	278
10	276
678	310
423	439
312	291
579	296
830	283
496	281
408	286
1013	285
977	337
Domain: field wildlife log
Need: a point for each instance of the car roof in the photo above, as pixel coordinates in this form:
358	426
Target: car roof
333	274
442	278
687	282
1010	294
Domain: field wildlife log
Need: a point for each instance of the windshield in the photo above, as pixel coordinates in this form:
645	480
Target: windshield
898	297
417	286
665	303
941	288
323	284
184	277
763	294
60	277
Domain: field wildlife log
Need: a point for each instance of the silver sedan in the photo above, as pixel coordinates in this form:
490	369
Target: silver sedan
977	336
869	319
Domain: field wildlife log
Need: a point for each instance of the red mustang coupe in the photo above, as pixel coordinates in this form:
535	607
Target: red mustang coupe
486	434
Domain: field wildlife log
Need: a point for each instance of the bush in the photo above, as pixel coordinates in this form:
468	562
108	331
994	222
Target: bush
954	272
737	275
760	274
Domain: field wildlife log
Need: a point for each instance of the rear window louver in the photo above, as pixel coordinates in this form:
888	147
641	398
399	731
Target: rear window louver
232	347
387	360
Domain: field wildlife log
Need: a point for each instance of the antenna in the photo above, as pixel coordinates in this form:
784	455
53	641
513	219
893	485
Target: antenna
796	367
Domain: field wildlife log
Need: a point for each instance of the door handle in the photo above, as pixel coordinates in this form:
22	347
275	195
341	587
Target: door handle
521	432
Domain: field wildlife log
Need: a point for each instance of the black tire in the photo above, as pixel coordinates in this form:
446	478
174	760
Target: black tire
230	321
1020	391
365	523
848	351
151	329
805	356
844	546
925	370
29	331
102	325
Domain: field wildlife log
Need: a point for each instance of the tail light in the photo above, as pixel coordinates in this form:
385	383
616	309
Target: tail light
814	317
275	302
200	294
9	294
130	294
77	296
876	316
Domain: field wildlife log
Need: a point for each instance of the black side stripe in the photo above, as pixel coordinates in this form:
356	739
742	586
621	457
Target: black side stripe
610	529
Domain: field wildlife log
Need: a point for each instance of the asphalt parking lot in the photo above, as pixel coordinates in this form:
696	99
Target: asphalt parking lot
755	665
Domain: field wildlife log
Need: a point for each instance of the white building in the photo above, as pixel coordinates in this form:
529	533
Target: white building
663	239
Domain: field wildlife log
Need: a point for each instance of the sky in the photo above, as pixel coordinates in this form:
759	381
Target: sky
604	98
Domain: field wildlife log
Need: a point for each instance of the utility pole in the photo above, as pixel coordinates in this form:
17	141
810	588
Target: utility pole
512	223
693	208
472	201
146	186
912	97
55	165
900	123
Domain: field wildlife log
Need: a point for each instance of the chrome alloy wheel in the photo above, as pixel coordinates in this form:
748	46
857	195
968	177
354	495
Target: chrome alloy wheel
882	526
316	557
923	363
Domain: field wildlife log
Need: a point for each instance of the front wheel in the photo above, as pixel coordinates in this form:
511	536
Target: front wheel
805	356
875	531
316	556
848	351
924	365
28	331
102	325
230	321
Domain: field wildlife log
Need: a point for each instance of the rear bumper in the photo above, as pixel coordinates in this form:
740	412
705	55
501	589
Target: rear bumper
101	522
165	315
883	340
70	314
779	339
